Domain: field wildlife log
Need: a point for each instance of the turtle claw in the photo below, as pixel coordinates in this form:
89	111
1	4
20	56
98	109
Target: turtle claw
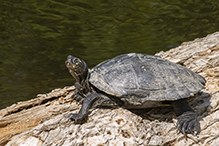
73	117
188	123
70	116
78	98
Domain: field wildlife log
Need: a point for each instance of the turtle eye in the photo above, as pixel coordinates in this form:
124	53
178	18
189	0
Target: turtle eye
75	60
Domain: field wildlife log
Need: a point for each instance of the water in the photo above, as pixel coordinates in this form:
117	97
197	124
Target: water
37	36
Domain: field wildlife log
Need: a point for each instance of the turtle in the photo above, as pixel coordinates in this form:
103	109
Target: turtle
137	81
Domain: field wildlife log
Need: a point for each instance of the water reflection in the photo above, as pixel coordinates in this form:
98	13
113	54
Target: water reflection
37	36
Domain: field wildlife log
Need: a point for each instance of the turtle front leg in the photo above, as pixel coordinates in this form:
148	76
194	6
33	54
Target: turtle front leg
79	96
79	88
91	101
187	119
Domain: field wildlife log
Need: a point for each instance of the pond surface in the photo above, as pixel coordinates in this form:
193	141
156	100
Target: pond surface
37	36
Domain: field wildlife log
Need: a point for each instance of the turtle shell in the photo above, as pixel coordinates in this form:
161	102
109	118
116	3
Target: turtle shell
138	78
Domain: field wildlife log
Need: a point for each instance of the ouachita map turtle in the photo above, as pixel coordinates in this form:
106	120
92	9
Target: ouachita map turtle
137	81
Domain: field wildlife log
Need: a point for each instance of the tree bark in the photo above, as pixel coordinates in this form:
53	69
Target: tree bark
42	121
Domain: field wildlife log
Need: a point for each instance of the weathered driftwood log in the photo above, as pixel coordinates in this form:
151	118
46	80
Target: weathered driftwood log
42	121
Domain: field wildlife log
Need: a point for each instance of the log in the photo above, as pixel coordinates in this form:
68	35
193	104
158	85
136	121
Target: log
42	121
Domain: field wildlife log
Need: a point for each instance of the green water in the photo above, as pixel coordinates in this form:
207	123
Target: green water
37	35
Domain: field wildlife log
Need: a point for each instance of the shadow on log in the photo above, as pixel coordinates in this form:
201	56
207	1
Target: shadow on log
41	121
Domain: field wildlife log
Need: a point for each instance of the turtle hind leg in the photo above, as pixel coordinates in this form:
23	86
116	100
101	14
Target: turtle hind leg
187	119
91	101
187	123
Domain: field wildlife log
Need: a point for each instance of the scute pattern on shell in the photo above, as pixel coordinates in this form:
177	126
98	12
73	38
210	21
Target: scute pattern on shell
137	78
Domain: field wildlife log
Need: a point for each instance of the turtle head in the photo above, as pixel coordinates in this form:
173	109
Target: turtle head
77	68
